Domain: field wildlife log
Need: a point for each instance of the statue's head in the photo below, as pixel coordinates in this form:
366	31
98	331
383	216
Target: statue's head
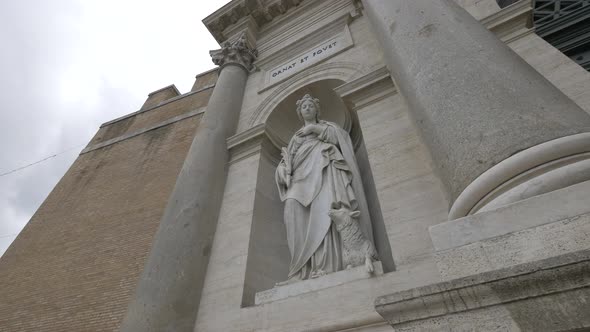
308	108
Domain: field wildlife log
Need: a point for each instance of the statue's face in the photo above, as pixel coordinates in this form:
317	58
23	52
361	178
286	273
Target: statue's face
308	111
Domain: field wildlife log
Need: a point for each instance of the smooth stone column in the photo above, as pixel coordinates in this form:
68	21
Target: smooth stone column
169	291
474	100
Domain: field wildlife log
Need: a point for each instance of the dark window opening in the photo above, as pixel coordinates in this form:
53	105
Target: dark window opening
565	24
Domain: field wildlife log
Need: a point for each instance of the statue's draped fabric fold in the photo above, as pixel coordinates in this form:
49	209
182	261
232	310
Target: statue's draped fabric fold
325	176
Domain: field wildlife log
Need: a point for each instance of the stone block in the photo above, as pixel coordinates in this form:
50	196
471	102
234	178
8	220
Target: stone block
557	238
535	211
545	295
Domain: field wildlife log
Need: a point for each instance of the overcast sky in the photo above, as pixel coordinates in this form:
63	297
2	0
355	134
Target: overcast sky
66	66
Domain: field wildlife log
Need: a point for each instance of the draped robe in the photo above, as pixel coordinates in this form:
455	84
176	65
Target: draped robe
324	175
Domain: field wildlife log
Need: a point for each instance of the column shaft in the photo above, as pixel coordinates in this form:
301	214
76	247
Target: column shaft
169	291
473	99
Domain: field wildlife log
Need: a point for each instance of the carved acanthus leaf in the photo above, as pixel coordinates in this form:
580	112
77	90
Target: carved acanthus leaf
235	52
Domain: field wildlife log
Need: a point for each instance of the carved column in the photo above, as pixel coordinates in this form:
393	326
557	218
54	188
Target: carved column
476	102
168	294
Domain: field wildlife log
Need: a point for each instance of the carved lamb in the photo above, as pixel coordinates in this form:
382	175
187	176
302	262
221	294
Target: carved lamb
356	248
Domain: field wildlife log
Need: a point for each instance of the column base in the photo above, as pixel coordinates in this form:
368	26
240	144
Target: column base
538	170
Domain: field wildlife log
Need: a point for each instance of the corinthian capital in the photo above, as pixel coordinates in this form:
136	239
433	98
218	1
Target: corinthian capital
235	52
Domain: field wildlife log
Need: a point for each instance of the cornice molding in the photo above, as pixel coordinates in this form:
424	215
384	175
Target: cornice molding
144	130
367	89
304	21
171	100
254	140
262	12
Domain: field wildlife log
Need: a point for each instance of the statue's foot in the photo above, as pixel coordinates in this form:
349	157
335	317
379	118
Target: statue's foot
317	274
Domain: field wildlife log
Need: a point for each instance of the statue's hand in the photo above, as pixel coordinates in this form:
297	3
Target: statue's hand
315	129
284	176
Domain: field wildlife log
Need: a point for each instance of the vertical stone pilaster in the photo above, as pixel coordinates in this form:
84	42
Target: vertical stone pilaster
169	290
475	102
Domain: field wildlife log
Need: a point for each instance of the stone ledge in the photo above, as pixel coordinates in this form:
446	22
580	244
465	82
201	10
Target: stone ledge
171	100
144	130
306	286
519	288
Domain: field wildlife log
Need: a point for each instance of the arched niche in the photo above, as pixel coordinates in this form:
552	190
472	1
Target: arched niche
283	122
268	255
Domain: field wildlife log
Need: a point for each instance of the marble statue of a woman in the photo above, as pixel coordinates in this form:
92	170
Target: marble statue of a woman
318	173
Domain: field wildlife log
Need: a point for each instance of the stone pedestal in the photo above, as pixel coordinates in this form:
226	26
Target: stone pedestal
169	291
475	102
312	285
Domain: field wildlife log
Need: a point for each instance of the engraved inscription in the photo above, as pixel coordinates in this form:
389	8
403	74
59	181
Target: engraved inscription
308	58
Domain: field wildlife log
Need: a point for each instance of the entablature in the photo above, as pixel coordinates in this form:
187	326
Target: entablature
261	11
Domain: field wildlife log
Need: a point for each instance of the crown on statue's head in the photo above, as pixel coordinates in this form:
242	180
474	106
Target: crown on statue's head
308	97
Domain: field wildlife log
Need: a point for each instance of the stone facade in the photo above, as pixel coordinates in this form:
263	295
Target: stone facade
465	244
